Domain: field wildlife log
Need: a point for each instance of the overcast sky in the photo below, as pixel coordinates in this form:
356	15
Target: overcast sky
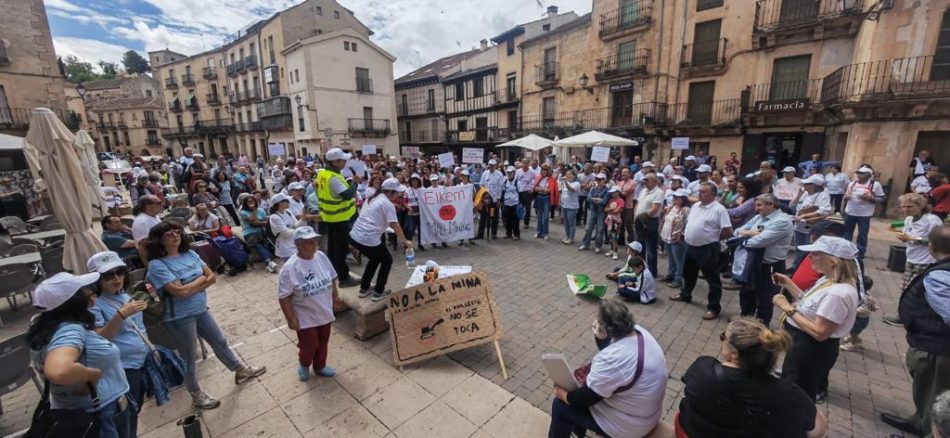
415	31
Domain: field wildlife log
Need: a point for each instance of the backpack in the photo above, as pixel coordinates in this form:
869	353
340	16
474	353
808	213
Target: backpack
231	251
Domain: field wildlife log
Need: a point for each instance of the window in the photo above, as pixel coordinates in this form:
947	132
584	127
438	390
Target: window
481	129
546	27
368	117
699	107
625	56
404	104
125	135
430	100
706	43
346	46
270	48
798	11
300	119
336	14
152	137
297	75
148	93
252	50
363	83
547	110
462	125
510	93
940	70
790	78
549	71
407	131
319	10
629	12
510	47
478	87
513	120
702	5
459	91
353	46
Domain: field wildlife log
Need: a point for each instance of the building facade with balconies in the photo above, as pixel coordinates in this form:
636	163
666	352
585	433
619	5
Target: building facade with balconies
420	105
341	94
129	124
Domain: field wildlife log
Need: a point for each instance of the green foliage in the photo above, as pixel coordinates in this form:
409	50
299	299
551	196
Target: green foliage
135	63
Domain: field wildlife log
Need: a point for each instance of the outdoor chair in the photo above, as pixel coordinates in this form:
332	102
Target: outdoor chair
16	279
24	241
52	260
25	248
5	248
15	225
50	223
16	369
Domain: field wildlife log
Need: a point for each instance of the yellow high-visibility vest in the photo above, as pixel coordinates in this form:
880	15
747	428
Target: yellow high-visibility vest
333	208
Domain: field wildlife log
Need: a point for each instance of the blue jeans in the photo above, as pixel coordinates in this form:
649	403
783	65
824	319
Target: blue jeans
565	419
863	224
136	379
186	331
800	239
543	205
595	220
677	255
570	222
113	424
412	222
859	325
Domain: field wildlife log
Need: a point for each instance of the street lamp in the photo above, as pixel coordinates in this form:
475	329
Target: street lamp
584	80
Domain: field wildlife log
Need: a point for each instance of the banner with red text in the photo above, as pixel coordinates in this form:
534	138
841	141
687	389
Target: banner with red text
446	215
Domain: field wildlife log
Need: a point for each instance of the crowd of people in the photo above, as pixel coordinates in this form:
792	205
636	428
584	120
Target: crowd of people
708	220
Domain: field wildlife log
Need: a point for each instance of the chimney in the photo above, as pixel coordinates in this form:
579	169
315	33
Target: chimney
484	44
552	11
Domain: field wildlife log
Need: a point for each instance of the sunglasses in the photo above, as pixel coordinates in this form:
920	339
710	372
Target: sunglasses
117	272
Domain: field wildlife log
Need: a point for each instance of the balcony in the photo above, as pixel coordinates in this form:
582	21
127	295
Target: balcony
364	85
153	141
4	58
122	125
621	117
149	123
506	96
703	58
105	126
477	135
215	126
626	21
171	83
275	106
248	127
708	114
192	103
188	79
213	99
250	63
471	104
901	80
782	97
419	105
623	65
174	106
284	122
209	73
368	127
245	97
178	132
423	135
546	74
236	68
804	20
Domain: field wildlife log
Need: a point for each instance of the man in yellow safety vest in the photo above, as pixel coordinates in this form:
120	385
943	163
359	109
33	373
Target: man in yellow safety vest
337	200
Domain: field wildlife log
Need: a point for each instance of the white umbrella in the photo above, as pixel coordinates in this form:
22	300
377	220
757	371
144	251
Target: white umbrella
52	143
530	142
85	148
595	138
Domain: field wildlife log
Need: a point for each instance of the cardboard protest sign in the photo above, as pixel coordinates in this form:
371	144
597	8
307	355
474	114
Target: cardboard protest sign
275	149
443	316
446	214
411	151
446	160
600	154
473	155
680	143
369	149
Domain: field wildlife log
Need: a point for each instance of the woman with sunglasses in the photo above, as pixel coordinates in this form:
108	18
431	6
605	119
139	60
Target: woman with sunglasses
203	196
181	277
737	396
116	319
74	358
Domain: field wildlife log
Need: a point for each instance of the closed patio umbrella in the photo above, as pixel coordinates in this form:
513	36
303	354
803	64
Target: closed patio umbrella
52	144
85	148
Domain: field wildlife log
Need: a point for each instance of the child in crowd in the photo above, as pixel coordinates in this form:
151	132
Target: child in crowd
614	222
634	281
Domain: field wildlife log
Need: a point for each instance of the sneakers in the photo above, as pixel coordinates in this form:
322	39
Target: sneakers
892	320
566	241
303	373
365	293
271	267
596	250
202	400
380	296
608	253
851	344
326	372
582	248
545	237
246	373
614	256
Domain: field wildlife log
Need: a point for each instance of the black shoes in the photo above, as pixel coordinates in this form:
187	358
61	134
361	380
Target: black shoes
893	320
901	424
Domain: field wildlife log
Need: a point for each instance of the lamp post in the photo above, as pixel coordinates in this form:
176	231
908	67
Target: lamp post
583	81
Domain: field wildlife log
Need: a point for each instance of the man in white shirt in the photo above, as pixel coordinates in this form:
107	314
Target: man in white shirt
526	176
707	223
149	207
921	184
649	207
702	176
787	188
494	181
861	197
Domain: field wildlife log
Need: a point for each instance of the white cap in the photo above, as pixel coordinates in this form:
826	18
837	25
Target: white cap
788	169
465	172
58	289
433	177
690	158
104	261
278	198
614	189
337	154
416	176
704	168
636	246
492	161
683	193
601	176
431	264
834	246
817	180
510	169
684	180
305	233
647	164
864	169
393	184
296	186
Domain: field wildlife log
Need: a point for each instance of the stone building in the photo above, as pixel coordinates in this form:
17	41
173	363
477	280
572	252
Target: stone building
128	124
29	74
420	105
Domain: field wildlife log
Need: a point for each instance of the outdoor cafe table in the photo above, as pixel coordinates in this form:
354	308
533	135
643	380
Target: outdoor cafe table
43	235
28	258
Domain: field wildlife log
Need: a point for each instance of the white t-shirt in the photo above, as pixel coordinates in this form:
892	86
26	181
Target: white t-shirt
141	225
311	284
705	223
198	225
917	252
818	199
568	198
375	217
296	207
786	190
836	302
859	207
282	225
636	411
920	185
836	183
647	199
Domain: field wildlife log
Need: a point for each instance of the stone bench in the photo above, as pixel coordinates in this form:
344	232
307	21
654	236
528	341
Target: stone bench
370	316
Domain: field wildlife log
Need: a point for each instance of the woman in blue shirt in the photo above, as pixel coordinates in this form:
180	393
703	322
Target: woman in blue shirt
116	314
181	277
253	219
70	355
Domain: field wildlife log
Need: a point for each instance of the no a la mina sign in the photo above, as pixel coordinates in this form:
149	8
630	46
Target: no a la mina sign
436	318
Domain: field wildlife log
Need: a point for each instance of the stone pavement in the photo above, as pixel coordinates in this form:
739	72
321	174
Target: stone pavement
539	315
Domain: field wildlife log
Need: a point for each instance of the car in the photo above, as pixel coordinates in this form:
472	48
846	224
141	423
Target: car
103	156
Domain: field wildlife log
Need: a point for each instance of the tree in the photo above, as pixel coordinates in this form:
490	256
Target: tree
108	69
135	63
79	71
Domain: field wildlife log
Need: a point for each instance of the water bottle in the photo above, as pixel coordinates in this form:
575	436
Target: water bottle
410	258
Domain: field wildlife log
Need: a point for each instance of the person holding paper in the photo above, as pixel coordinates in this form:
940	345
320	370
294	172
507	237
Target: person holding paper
622	394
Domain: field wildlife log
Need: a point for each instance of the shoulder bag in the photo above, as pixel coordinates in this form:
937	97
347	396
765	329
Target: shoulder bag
75	423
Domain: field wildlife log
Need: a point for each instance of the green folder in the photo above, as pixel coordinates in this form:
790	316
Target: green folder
580	284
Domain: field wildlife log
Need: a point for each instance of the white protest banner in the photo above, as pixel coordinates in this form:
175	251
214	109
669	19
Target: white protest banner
680	143
411	151
601	154
473	155
274	149
354	167
446	214
446	160
369	149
